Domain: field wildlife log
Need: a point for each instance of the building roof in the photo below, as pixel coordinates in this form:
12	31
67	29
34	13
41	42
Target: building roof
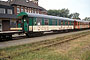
4	3
43	9
8	16
22	3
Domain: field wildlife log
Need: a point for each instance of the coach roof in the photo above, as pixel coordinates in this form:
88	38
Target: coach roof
42	16
47	16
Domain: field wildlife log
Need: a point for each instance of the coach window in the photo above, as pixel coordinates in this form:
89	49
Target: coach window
72	23
78	23
65	22
50	21
34	21
57	22
39	21
61	22
68	22
53	22
81	23
46	21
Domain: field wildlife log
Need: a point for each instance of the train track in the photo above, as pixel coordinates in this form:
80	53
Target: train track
45	34
44	44
56	42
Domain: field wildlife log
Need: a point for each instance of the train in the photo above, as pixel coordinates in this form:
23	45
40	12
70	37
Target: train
31	23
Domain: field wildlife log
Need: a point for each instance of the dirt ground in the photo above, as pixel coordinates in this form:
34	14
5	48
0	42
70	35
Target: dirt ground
75	48
34	39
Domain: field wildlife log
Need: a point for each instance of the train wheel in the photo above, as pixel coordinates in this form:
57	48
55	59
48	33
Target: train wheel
10	37
28	35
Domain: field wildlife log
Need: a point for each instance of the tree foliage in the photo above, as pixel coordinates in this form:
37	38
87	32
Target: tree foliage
64	13
87	19
61	13
74	16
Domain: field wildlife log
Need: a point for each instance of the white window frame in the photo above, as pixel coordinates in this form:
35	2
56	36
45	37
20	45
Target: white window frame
18	11
9	11
30	10
25	9
3	10
22	10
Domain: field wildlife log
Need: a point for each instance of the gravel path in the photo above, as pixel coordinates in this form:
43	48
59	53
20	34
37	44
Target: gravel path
34	39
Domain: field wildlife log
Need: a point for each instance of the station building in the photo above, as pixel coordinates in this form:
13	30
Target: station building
11	8
6	16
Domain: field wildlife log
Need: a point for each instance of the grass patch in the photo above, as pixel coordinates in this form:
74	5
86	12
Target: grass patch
86	56
24	52
42	54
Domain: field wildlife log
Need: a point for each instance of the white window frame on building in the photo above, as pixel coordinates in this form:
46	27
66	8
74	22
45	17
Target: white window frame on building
18	9
30	10
25	9
35	11
9	11
38	11
2	10
22	10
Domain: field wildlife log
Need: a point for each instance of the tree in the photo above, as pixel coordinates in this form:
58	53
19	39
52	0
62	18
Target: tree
62	13
74	16
87	19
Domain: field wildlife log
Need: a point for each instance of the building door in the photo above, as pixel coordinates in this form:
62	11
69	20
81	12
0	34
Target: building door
5	25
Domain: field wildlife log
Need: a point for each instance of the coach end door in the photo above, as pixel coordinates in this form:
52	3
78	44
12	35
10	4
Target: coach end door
25	25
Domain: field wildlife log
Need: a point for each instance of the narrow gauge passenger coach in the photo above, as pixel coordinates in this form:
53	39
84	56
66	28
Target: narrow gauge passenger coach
37	23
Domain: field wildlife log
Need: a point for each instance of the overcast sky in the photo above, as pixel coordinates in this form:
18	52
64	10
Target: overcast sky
80	6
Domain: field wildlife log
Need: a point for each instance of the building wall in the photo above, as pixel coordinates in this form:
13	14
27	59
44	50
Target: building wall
6	8
27	9
5	22
0	25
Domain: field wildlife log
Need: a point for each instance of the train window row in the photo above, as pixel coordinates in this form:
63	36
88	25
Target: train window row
80	23
42	21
